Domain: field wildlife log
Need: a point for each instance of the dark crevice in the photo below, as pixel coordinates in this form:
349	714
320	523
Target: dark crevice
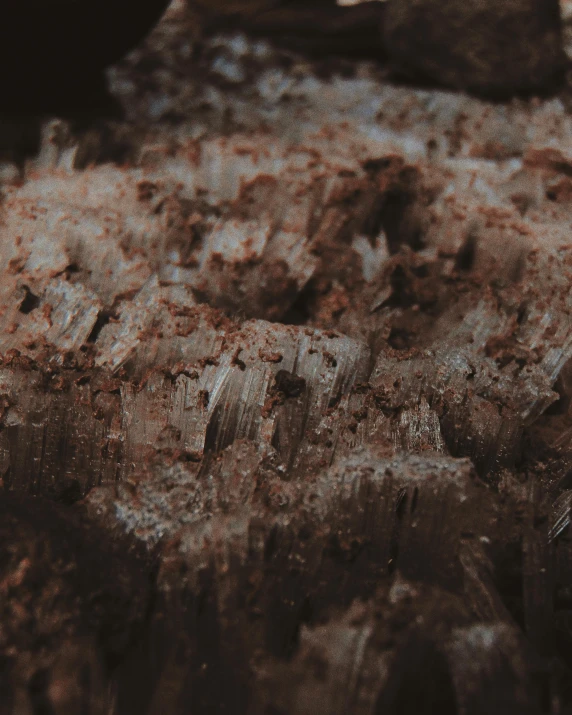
399	339
467	253
392	217
103	319
300	312
420	682
38	691
562	404
30	302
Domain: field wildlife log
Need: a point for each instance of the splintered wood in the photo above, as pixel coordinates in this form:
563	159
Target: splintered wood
285	396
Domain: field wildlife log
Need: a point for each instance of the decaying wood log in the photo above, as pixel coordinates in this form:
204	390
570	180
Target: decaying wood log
285	397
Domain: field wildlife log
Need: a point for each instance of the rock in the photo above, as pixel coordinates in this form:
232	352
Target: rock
492	48
245	337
